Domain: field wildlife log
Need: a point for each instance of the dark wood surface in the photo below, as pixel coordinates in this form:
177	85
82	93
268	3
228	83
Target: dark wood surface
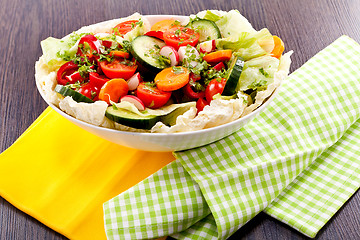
306	26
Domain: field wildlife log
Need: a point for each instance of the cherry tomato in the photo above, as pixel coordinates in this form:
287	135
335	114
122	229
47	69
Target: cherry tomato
200	104
97	80
181	36
89	91
88	45
215	86
118	68
124	27
66	69
151	96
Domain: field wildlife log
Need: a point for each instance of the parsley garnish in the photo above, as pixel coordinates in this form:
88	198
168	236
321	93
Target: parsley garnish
84	70
177	70
262	71
126	45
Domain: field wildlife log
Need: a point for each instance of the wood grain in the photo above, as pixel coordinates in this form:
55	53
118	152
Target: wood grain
306	26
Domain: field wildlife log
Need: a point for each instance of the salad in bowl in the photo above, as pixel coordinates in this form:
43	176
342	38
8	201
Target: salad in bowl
162	74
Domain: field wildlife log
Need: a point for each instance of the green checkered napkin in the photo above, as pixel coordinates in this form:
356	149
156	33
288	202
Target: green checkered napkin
298	161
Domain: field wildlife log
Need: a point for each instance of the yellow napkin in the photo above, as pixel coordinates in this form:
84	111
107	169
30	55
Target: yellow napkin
61	175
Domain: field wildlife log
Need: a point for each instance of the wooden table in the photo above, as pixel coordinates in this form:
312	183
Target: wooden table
306	26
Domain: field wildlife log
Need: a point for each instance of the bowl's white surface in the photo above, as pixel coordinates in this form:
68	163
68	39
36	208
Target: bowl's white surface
160	142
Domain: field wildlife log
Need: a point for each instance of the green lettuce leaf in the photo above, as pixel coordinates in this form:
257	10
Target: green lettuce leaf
171	111
57	51
233	23
138	30
211	16
258	73
247	45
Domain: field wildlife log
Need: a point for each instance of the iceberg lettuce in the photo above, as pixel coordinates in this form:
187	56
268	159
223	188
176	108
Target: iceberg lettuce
248	45
233	23
258	73
53	48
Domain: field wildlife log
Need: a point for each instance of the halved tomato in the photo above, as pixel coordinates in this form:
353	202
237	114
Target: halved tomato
89	90
151	96
118	68
124	27
181	36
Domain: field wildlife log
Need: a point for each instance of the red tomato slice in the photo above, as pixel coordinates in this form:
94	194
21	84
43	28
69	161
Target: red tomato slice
66	69
151	96
124	27
120	54
214	87
118	68
89	91
181	36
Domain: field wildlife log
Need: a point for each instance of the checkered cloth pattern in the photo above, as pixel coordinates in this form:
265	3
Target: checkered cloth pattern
298	161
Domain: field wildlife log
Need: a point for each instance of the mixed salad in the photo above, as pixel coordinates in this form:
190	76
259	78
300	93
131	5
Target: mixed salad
171	76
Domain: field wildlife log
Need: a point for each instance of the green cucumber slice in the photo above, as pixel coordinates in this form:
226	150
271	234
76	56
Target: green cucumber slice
143	49
207	29
66	91
233	76
131	119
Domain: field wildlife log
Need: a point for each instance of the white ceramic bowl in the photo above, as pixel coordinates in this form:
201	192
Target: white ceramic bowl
161	142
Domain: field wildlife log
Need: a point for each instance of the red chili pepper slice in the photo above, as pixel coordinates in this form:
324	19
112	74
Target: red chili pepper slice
189	92
157	34
97	80
65	70
88	44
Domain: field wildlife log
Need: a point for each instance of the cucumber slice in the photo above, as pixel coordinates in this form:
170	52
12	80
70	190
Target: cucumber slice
207	29
143	49
66	91
131	119
233	76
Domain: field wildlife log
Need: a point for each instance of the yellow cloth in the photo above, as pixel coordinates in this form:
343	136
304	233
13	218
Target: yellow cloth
61	175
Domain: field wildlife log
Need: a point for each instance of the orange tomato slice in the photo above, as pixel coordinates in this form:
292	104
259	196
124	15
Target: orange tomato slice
278	48
218	56
113	90
171	80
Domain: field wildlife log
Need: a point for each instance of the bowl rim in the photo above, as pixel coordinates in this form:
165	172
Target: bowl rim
201	131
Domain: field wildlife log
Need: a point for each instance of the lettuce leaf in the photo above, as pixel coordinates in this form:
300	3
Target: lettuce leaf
233	23
211	16
154	112
248	45
57	51
258	73
139	29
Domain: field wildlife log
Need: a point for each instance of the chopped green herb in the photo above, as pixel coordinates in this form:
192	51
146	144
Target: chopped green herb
177	70
262	71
